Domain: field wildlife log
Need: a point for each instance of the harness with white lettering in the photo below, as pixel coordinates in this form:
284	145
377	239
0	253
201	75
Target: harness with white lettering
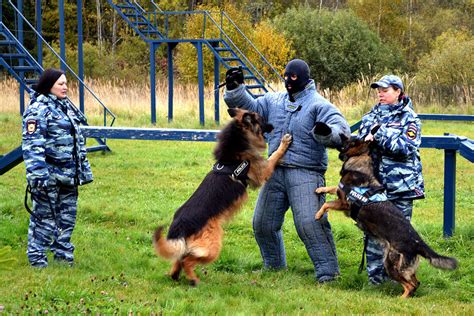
237	171
361	196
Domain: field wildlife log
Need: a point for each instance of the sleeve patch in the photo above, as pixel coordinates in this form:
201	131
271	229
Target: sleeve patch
412	131
31	126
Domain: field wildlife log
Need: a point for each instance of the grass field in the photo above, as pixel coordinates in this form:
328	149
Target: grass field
140	184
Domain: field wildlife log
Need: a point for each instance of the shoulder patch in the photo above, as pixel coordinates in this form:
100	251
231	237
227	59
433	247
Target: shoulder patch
412	131
31	126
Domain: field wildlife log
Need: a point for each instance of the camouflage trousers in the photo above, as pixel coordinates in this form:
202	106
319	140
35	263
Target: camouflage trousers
51	227
374	251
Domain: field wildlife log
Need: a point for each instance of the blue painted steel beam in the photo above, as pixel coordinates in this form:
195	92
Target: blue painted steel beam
200	82
466	149
446	117
19	5
440	142
216	90
80	55
39	42
62	37
149	133
153	47
170	81
449	192
11	159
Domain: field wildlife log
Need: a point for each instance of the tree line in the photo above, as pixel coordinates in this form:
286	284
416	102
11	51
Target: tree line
342	40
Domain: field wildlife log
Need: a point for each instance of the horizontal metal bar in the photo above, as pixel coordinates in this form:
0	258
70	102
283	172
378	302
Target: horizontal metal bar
466	149
149	133
11	159
440	142
446	117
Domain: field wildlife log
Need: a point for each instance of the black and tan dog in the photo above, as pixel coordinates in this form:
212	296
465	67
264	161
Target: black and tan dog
380	219
195	235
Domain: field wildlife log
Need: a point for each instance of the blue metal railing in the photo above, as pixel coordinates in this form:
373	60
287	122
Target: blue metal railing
161	21
104	107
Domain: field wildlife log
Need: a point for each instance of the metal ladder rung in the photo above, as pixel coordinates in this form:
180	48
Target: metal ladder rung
7	42
25	68
230	58
254	86
17	56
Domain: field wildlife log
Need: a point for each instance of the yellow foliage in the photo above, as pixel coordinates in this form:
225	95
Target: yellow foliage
271	45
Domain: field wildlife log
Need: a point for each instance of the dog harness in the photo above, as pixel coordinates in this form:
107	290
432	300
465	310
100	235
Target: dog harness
237	171
360	196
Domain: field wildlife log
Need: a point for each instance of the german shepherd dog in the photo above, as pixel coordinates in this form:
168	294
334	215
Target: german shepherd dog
382	220
195	235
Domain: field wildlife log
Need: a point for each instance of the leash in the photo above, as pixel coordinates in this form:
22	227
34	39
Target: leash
28	209
362	262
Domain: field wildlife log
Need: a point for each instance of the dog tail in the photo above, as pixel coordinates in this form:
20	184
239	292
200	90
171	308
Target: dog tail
437	260
172	249
442	262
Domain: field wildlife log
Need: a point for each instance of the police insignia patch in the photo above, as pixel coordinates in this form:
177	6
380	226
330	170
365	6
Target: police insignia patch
411	132
31	126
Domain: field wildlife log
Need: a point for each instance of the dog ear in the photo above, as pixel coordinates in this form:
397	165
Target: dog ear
233	111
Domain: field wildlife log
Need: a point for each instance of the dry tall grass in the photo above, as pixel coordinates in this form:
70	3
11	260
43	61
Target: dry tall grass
130	101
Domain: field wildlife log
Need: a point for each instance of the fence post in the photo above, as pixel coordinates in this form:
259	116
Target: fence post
449	191
153	82
200	82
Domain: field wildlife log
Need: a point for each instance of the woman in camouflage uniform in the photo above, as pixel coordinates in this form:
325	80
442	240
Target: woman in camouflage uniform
55	159
396	129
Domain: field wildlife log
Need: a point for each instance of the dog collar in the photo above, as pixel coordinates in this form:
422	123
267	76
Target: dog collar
237	171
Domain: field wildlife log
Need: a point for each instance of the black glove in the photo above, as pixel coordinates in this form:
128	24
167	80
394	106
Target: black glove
321	129
233	78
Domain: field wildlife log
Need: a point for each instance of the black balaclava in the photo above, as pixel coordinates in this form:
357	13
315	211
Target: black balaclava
299	68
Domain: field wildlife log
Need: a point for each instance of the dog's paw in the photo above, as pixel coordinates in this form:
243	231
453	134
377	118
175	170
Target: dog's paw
287	139
318	215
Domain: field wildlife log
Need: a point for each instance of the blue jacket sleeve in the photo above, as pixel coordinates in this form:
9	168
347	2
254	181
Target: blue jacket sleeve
33	146
332	117
239	97
367	122
400	140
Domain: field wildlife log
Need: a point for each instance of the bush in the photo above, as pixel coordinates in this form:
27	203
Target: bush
339	47
448	70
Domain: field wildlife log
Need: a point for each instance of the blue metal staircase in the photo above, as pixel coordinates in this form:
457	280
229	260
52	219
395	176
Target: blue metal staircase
154	27
17	60
21	65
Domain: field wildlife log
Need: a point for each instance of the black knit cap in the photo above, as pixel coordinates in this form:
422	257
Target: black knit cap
47	80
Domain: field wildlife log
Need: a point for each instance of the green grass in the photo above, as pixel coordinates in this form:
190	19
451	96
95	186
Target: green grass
140	184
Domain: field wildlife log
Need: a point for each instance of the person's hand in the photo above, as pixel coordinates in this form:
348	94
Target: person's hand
369	138
321	129
373	130
233	78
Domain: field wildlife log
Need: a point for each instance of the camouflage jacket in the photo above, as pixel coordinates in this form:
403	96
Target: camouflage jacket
53	147
398	140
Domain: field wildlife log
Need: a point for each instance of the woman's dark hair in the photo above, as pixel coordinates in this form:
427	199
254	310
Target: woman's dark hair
47	80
